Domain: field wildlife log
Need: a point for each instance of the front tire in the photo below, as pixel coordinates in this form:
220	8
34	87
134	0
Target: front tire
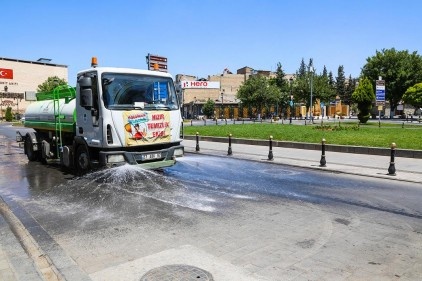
82	160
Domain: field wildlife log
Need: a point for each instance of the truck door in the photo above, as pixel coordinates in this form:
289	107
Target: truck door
89	125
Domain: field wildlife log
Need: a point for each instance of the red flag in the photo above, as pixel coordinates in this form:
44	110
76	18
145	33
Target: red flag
6	73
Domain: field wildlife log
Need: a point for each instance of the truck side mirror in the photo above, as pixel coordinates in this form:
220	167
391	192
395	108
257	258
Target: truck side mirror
86	98
85	82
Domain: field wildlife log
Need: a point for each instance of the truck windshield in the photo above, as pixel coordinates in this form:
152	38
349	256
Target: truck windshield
131	91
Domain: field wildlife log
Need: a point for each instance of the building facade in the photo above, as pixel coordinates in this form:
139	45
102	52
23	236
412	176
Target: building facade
19	80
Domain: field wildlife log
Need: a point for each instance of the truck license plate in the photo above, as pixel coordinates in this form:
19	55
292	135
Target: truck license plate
151	156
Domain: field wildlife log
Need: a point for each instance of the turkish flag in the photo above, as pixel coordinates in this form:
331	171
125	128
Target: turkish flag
6	73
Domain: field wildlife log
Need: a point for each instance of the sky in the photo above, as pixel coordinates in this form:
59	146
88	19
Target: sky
202	38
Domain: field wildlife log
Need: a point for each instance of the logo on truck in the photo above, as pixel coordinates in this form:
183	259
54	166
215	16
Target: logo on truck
146	127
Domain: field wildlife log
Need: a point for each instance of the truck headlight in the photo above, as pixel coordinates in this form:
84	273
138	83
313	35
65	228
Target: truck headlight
117	158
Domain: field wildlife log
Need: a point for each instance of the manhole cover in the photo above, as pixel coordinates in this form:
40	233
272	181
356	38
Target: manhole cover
176	272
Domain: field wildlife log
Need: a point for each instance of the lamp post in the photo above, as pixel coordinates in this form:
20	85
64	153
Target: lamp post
222	113
1	103
291	99
311	71
183	103
194	108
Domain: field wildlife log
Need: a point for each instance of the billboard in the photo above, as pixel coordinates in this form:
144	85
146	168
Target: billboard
200	85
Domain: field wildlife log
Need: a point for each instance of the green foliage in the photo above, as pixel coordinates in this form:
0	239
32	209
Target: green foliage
350	88
9	115
336	127
283	85
50	84
321	88
208	108
341	83
399	69
302	69
364	96
413	96
257	91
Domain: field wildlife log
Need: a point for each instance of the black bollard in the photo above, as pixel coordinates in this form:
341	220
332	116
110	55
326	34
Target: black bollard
270	153
205	122
229	151
197	142
323	162
392	168
402	125
226	121
290	120
191	122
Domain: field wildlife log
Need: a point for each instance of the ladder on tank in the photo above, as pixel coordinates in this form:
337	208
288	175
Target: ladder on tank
60	92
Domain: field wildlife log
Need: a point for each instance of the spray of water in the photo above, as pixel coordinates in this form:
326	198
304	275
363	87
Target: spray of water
128	182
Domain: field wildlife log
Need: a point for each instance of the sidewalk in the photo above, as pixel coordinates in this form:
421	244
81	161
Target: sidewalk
407	169
15	264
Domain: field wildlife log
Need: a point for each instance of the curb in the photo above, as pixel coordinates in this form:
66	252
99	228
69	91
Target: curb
312	167
42	262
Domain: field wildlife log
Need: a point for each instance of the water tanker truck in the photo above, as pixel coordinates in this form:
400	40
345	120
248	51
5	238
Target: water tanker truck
113	116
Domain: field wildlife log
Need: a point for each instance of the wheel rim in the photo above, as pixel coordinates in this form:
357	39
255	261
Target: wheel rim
83	160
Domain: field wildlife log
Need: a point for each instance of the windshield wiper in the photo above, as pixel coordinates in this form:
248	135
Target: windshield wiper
124	106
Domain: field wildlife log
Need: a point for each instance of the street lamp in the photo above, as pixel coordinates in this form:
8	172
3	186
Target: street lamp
222	113
194	108
1	102
291	99
311	71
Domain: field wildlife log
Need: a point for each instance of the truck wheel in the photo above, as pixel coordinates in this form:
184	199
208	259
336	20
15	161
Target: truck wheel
30	153
83	162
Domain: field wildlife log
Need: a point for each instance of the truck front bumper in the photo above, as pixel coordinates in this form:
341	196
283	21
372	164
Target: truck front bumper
155	159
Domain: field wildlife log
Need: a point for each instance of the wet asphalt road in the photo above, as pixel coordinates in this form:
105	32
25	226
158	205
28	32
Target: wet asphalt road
122	214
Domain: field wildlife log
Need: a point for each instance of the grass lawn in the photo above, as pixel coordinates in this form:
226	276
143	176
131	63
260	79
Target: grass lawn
409	137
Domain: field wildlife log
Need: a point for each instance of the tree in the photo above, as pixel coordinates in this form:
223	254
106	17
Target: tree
9	115
258	92
341	83
350	88
364	96
284	87
279	80
325	72
331	80
302	69
413	95
321	88
399	69
51	83
208	108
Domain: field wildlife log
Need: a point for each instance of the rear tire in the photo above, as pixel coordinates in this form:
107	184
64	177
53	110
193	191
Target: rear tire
29	149
82	160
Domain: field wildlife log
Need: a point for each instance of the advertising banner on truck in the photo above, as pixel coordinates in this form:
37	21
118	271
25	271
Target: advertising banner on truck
142	127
